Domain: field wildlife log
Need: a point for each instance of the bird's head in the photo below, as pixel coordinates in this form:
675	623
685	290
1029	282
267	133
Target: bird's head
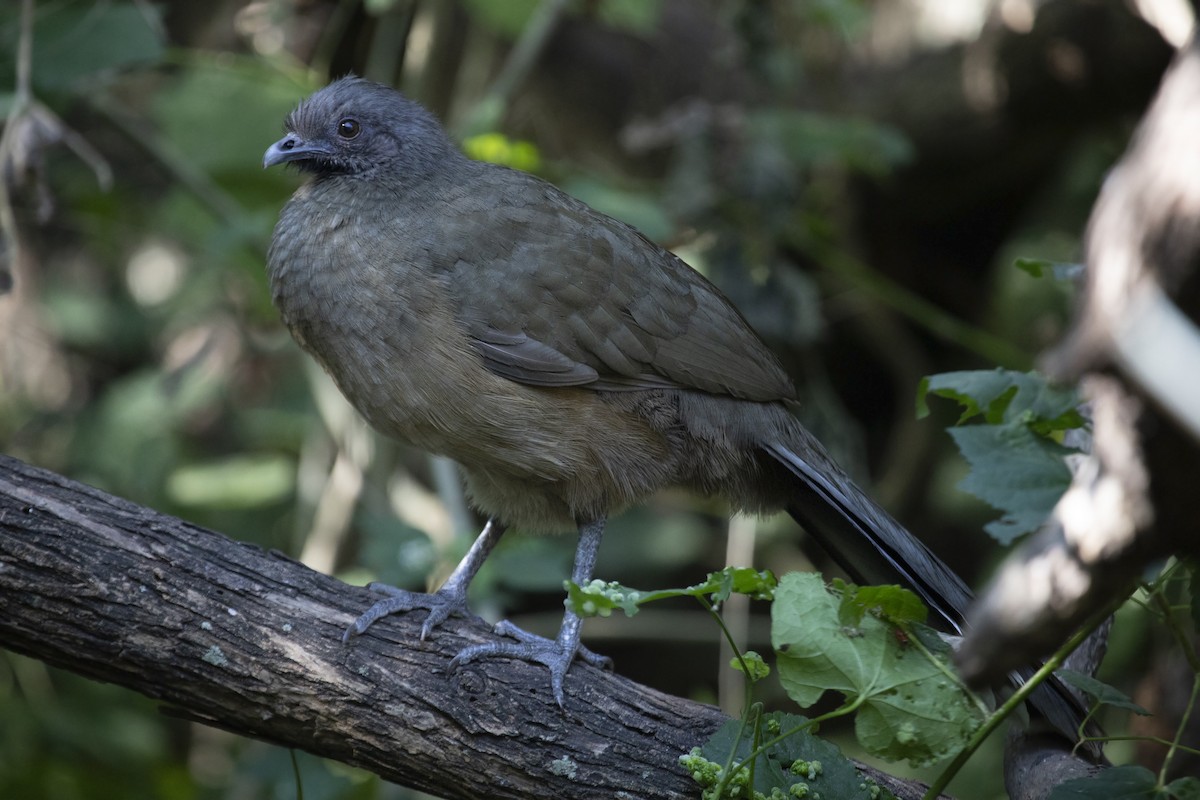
357	127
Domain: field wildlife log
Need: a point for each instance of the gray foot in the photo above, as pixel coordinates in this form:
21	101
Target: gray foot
556	654
442	604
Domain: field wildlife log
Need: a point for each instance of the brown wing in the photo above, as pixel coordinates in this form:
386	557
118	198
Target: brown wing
553	293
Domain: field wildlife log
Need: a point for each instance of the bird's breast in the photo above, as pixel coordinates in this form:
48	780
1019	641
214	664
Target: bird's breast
367	303
373	309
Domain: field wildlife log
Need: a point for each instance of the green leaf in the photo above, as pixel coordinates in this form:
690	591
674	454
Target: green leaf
1025	483
1003	395
979	392
799	760
893	604
757	668
1116	783
600	599
1101	691
1015	471
1006	396
754	583
1184	789
909	705
1017	464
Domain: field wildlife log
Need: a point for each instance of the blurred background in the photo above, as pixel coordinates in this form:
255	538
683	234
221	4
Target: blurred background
859	176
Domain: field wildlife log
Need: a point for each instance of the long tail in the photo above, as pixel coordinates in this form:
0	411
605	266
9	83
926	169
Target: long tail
871	546
875	549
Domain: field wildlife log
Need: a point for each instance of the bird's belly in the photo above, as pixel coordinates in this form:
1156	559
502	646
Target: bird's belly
539	459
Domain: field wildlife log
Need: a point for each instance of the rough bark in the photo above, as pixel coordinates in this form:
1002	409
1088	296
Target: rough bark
250	641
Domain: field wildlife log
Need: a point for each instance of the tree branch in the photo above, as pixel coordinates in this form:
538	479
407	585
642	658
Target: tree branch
250	641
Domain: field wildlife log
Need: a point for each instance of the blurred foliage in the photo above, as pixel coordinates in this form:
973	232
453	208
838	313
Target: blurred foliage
139	350
82	45
511	18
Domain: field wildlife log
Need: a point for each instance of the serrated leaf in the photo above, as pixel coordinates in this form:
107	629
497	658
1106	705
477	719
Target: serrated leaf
1116	783
909	707
1101	691
826	771
1045	408
977	391
719	586
754	583
1015	471
1015	466
1002	395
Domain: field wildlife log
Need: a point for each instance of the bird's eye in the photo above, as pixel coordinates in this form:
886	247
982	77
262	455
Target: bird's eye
349	128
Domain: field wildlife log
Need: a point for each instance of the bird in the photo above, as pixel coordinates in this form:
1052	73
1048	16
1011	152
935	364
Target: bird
569	365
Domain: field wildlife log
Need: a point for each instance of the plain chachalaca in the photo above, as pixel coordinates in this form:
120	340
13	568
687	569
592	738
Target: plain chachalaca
568	364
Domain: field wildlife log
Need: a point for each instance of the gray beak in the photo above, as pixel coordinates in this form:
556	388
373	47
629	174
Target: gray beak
292	148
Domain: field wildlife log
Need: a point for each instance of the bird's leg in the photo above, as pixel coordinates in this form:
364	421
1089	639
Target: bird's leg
558	653
446	601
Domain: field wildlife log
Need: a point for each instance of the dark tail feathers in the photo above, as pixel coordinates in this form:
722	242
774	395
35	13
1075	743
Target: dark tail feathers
867	543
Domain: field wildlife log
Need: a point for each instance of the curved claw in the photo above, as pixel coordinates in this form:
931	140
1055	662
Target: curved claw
442	604
546	652
438	614
557	655
506	628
